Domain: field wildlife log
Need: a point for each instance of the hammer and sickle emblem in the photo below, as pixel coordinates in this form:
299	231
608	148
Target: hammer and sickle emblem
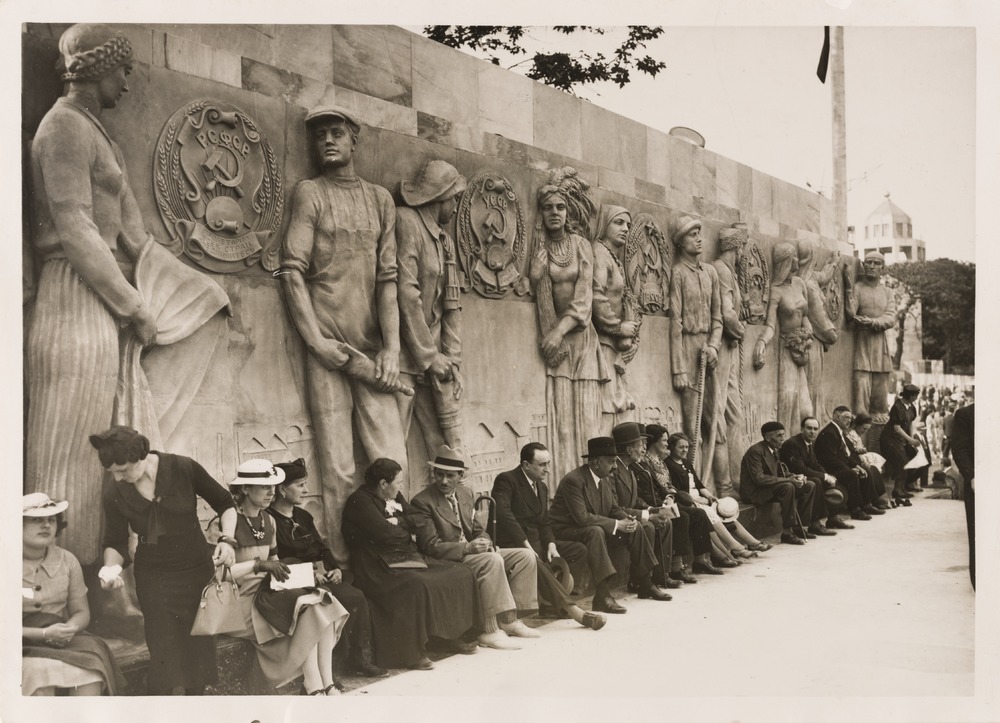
220	175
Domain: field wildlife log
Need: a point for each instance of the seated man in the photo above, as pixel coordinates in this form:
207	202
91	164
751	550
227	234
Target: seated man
630	440
585	509
764	478
799	455
522	514
839	458
450	529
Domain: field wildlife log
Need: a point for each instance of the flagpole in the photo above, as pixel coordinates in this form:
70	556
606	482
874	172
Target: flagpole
839	134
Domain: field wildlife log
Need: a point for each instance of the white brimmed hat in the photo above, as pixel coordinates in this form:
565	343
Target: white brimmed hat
39	504
728	509
258	472
449	459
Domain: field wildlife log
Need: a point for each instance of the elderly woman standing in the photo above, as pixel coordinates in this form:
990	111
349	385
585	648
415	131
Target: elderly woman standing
615	332
788	316
562	278
87	225
57	652
156	495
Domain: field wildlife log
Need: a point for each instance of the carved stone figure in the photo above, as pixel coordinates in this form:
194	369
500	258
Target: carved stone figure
647	264
106	288
788	317
751	269
217	186
871	306
695	337
430	313
339	273
562	278
824	328
615	314
490	236
729	400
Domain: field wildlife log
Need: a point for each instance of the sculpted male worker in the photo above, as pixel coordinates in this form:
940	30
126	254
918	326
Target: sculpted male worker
695	329
339	273
429	310
872	306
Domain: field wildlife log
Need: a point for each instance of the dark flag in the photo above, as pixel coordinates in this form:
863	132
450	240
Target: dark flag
824	56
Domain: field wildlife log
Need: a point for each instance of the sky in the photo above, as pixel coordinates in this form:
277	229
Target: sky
752	92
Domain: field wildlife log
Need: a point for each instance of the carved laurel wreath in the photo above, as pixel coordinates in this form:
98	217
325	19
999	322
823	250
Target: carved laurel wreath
644	233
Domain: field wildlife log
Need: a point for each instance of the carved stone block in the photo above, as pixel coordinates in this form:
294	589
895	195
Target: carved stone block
217	185
490	235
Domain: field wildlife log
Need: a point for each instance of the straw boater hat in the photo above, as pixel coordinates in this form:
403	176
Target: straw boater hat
437	180
258	472
334	111
728	509
39	504
448	459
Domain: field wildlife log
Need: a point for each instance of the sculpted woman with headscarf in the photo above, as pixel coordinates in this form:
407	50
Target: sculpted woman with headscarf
824	329
788	316
615	332
88	238
562	277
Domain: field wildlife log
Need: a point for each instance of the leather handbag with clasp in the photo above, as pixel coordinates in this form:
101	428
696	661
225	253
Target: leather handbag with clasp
219	611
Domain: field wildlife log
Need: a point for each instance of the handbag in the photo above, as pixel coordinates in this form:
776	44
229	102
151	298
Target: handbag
219	611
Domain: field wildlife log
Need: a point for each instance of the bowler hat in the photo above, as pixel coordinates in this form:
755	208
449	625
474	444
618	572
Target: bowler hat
560	570
258	472
601	447
437	180
39	504
448	459
834	496
625	434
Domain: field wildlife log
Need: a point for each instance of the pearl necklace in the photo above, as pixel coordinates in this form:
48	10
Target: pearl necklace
561	251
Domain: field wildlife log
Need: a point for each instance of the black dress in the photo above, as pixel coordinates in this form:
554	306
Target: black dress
893	448
298	539
173	563
407	606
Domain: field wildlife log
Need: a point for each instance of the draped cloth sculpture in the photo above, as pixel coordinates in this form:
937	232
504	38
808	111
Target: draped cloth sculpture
788	317
92	248
562	277
823	327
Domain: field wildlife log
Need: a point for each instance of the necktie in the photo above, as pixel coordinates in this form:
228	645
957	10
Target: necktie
453	500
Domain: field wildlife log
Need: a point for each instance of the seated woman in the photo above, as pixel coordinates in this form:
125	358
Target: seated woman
411	597
57	653
300	541
874	462
691	491
298	634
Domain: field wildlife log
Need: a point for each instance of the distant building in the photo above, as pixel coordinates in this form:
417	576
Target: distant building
889	230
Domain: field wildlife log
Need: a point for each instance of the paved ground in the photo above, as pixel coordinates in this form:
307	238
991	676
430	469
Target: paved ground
885	609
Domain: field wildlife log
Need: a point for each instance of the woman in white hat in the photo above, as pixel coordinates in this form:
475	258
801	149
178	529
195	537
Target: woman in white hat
57	653
294	632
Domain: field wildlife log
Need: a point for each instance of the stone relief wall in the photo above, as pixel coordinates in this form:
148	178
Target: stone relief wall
419	101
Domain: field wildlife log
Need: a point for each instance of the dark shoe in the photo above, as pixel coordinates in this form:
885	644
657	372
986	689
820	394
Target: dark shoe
459	646
860	514
902	495
904	502
791	539
367	669
632	586
652	592
671	583
837	523
873	510
607	604
422	664
683	576
723	563
594	621
705	568
804	534
817	528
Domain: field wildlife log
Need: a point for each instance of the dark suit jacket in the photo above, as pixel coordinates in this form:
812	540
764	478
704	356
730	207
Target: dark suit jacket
626	490
963	442
759	469
521	513
834	452
801	460
579	503
650	492
439	532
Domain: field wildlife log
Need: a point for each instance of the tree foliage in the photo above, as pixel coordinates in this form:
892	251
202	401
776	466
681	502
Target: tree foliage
946	290
559	69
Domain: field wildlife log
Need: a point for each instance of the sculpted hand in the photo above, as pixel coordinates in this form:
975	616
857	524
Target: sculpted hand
713	356
551	342
278	569
440	368
144	326
459	382
758	354
387	369
628	328
330	353
681	382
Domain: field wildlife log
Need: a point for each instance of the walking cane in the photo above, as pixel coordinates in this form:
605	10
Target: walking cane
491	522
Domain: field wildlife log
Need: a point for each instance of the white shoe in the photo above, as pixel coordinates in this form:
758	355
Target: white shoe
518	629
498	640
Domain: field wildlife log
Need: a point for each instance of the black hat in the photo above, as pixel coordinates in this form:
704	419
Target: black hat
601	447
293	470
911	390
626	433
769	427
